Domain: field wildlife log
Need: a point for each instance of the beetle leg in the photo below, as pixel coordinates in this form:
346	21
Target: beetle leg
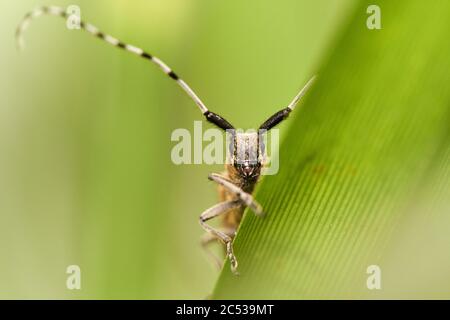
209	238
213	212
243	196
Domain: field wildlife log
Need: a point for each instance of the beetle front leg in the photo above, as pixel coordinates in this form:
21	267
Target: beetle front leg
213	212
209	238
243	196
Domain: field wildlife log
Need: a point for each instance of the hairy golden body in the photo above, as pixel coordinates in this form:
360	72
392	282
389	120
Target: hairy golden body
232	218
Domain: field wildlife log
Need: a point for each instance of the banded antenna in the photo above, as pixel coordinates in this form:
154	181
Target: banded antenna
60	12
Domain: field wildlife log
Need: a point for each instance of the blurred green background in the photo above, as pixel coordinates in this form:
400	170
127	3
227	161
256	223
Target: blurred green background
85	170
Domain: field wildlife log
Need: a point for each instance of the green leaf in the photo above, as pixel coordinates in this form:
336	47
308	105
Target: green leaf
364	171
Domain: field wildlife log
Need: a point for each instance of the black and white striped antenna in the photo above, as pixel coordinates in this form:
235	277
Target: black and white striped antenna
60	12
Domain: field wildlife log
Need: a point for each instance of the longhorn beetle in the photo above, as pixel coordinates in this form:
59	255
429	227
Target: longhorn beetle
237	182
